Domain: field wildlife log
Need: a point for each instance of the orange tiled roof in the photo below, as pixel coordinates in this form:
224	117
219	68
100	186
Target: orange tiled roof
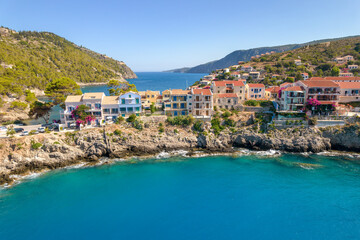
179	92
349	84
202	91
274	89
295	88
256	85
226	95
223	83
334	78
315	83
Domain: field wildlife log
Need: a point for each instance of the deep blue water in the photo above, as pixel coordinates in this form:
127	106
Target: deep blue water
247	197
156	81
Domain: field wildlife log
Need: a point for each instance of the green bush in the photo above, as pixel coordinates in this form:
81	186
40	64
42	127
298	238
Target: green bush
251	103
226	114
216	126
199	126
35	145
138	125
18	105
180	120
176	131
119	120
131	118
161	129
229	122
117	132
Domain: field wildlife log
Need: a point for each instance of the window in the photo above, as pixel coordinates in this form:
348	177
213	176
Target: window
114	110
168	105
106	110
174	105
122	101
129	96
174	98
130	109
70	109
122	109
182	105
137	109
152	96
97	106
175	113
183	113
137	101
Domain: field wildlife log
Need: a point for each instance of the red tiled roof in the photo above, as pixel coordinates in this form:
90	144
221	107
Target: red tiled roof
319	83
226	95
284	84
334	78
274	89
201	91
295	88
256	85
223	83
349	84
306	74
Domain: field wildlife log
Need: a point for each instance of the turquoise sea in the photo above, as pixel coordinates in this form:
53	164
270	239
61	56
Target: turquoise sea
214	197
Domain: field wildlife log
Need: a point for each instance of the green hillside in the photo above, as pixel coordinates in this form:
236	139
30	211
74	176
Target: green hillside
31	59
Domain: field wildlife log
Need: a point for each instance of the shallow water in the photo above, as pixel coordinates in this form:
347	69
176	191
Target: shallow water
218	197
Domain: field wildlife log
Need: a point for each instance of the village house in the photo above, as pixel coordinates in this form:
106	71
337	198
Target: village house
297	62
226	101
349	92
246	68
102	107
350	67
336	79
254	75
148	97
346	74
326	92
204	82
200	103
272	92
226	70
305	76
176	105
348	58
255	91
236	75
237	87
292	99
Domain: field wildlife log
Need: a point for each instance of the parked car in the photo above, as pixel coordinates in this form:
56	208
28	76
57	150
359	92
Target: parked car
2	128
24	133
73	125
41	129
18	130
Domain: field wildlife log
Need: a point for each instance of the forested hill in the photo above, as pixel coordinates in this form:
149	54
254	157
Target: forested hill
32	59
245	55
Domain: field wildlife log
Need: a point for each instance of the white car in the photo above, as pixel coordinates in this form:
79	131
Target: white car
24	133
41	129
3	129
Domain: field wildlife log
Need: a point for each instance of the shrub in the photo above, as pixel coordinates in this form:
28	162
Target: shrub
161	129
180	120
119	120
131	118
226	114
216	126
138	125
18	105
32	132
229	122
199	126
252	103
56	142
117	132
35	145
176	131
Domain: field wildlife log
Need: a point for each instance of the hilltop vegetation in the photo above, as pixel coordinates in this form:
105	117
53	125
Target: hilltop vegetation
245	55
32	59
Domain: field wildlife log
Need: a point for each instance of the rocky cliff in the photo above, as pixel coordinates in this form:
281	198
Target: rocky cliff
54	150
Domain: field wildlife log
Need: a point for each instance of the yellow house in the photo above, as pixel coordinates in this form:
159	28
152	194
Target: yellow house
148	97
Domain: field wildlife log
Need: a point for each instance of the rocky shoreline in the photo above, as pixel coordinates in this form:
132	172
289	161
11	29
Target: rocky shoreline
31	154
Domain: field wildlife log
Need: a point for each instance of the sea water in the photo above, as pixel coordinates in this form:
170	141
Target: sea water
246	196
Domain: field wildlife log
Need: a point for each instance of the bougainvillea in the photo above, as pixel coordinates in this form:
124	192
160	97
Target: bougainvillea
81	115
313	102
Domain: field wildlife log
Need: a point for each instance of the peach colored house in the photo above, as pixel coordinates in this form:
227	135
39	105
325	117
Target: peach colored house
200	103
255	91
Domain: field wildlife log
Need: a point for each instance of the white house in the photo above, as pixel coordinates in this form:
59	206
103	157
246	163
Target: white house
130	103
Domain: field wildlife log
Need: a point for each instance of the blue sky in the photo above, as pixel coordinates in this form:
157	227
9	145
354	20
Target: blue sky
160	35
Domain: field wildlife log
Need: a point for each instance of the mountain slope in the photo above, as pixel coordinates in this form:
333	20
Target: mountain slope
32	59
245	55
